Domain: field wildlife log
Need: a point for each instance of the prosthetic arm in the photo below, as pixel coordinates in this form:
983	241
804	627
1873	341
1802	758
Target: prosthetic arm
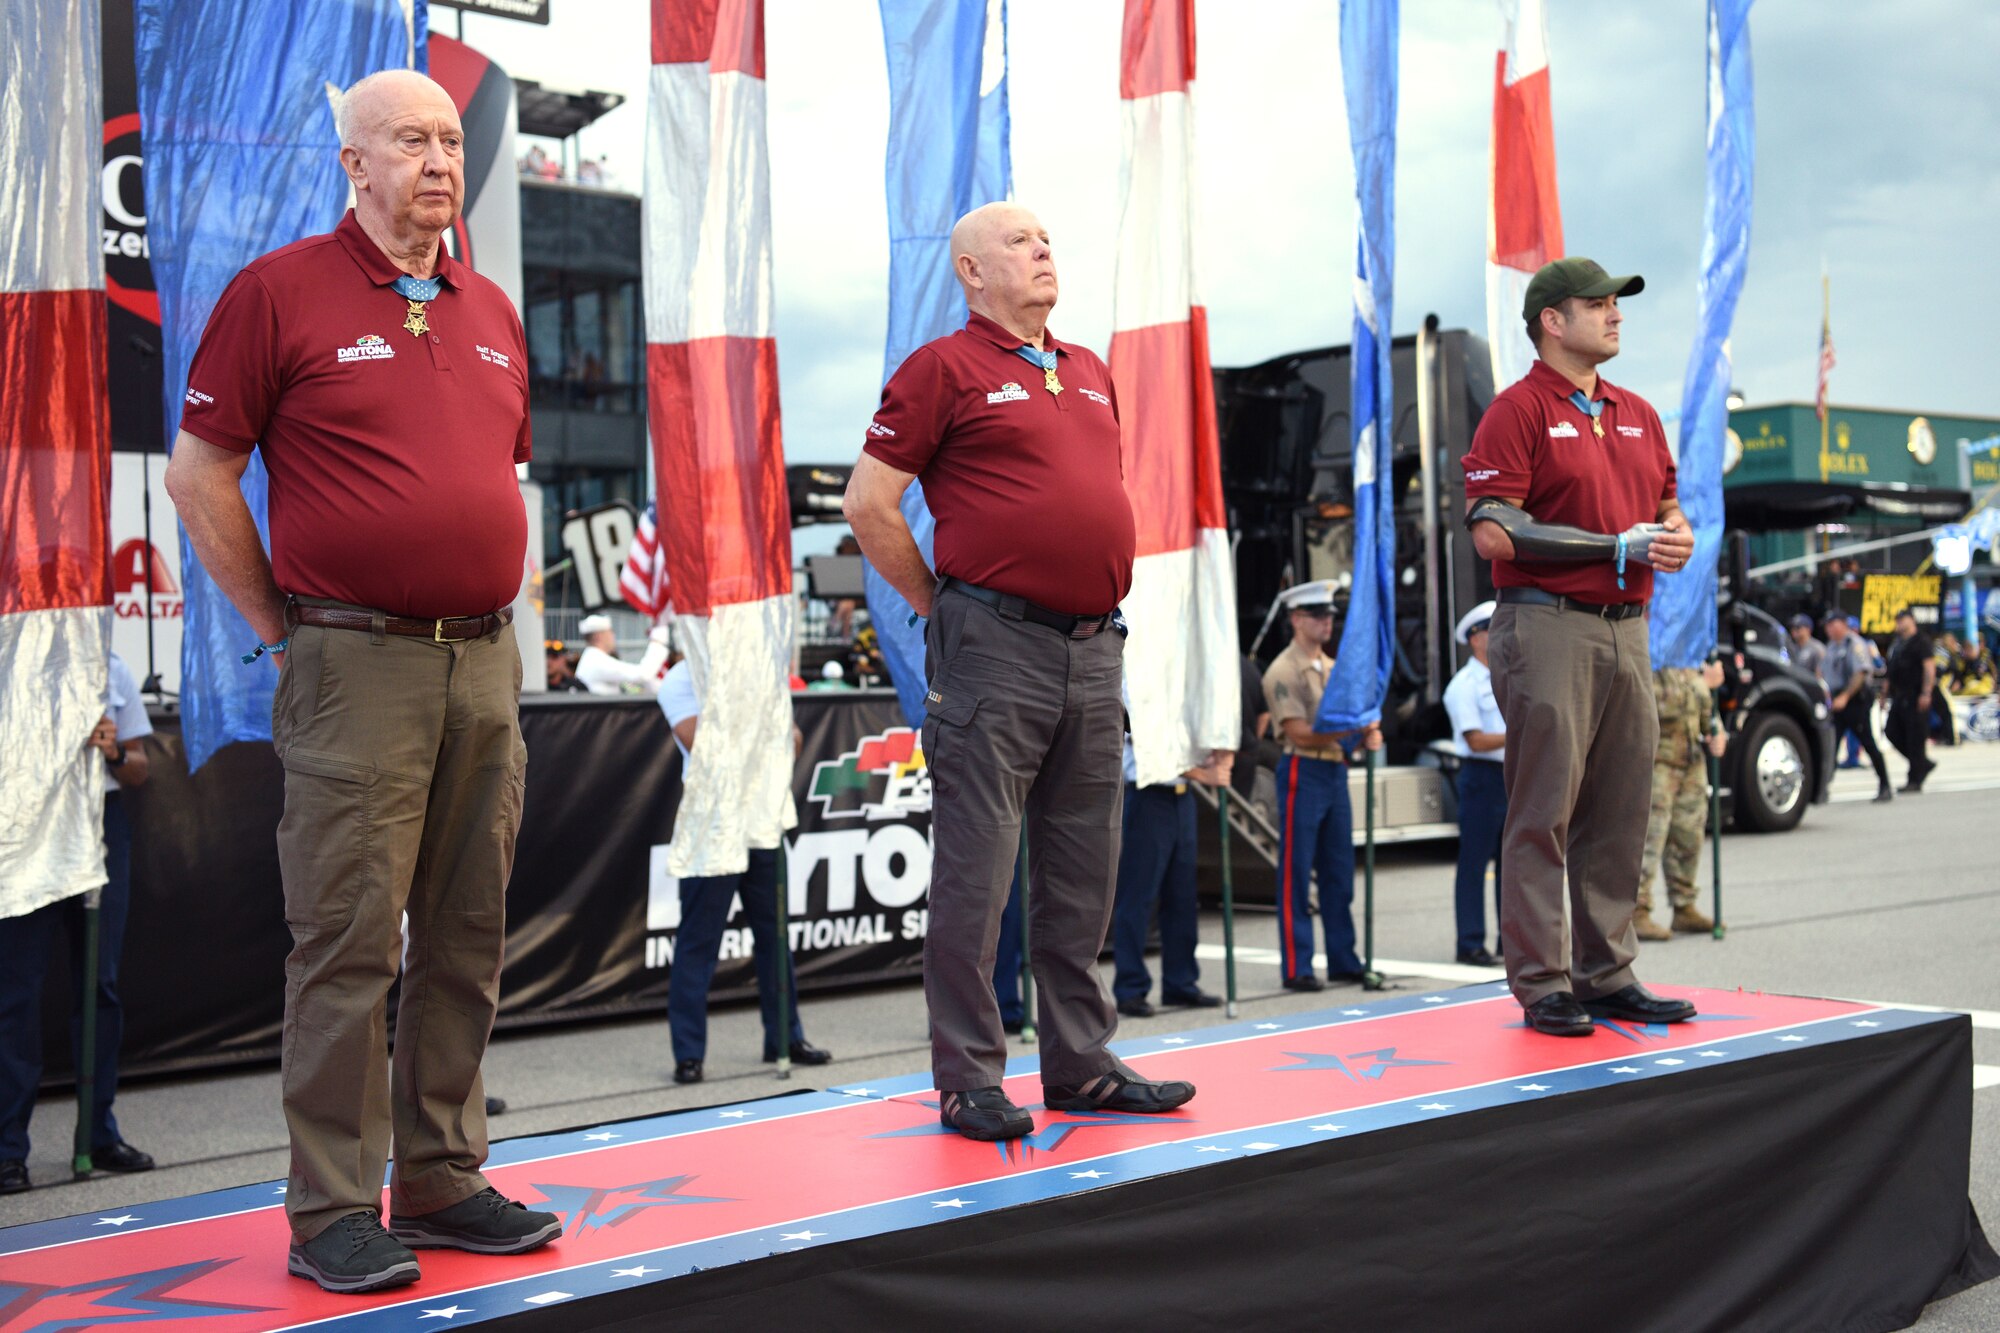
1534	540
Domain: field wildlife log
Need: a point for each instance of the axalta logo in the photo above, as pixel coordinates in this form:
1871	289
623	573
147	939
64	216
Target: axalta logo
884	777
1096	397
1633	432
499	359
880	431
196	398
1009	392
1562	430
368	347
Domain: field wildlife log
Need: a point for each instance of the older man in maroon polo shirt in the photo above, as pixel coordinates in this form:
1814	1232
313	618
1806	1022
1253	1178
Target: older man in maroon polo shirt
1571	496
1015	435
386	386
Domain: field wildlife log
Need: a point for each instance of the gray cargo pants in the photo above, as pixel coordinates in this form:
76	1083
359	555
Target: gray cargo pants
1022	721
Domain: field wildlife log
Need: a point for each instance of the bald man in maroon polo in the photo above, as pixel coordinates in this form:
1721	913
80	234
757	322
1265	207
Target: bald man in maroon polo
1015	436
386	387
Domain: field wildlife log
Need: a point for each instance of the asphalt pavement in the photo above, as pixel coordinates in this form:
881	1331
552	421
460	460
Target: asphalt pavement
1895	903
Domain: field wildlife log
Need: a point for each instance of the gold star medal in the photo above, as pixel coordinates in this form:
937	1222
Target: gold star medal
415	321
1049	379
417	292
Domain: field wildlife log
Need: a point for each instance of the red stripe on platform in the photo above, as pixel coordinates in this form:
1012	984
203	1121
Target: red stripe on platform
55	468
627	1199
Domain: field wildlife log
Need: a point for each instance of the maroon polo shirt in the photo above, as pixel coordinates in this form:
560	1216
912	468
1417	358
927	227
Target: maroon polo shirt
391	455
1534	443
1027	486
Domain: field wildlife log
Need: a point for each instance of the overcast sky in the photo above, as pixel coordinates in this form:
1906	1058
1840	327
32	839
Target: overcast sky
1878	155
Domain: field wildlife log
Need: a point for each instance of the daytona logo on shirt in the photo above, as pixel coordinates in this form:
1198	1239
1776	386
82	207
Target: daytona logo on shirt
1010	392
368	347
1562	430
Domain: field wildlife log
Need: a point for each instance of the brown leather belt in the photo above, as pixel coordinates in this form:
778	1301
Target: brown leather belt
446	629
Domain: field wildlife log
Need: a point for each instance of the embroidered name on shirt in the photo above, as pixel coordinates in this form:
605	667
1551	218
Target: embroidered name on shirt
488	354
1562	430
1009	392
1633	432
196	398
880	431
368	347
1096	397
1482	474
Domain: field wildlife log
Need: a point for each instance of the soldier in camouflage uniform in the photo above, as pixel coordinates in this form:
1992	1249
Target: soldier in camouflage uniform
1688	725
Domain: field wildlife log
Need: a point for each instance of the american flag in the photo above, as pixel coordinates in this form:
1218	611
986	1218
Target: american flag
1825	365
644	582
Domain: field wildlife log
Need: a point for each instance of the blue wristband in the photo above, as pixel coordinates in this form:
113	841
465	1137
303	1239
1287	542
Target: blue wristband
1621	561
263	648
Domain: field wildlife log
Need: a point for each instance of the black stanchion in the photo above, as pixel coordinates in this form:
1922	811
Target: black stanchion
1715	833
784	959
1228	905
1028	1033
86	1071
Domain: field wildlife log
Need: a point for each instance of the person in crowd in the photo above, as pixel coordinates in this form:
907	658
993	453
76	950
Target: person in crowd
1015	435
705	907
599	668
1866	652
28	941
1848	671
1690	728
1479	734
561	670
832	677
1570	490
1156	874
1912	679
1315	819
1972	671
1806	651
385	599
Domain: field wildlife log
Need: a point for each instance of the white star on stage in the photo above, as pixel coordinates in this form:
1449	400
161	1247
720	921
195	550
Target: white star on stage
1864	1023
1088	1175
807	1234
1327	1129
1354	1013
1670	1061
1173	1041
855	1092
1712	1055
547	1298
1791	1036
447	1312
118	1221
732	1115
640	1271
1435	999
1211	1147
605	1137
953	1203
1531	1087
1624	1069
1267	1027
1261	1147
1435	1106
279	1190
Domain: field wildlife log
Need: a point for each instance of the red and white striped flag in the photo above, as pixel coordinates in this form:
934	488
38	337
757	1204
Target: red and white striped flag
55	456
712	385
1825	360
1524	218
1182	672
643	581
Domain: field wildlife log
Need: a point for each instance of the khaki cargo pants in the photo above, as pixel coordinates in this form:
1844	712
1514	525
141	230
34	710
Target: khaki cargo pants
403	780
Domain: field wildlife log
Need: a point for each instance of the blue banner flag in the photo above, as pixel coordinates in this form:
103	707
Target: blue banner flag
236	116
1360	674
948	154
1683	616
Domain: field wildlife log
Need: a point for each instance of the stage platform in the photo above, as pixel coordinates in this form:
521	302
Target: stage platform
1422	1162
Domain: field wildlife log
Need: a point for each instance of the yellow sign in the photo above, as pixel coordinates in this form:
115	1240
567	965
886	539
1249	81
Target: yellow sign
1883	595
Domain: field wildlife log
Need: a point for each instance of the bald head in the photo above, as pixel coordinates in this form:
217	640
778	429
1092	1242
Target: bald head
404	151
381	95
1000	254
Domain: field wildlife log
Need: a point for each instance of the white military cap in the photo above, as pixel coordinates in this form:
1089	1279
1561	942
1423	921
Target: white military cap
1474	619
590	625
1314	595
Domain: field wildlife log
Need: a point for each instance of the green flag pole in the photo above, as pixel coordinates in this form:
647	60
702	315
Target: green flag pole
784	893
1228	904
1715	833
86	1071
1028	1033
1370	978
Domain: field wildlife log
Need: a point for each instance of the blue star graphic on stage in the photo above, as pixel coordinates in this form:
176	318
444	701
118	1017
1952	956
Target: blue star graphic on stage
1380	1063
132	1298
1052	1133
587	1208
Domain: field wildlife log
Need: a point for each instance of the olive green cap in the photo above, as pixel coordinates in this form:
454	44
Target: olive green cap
1561	279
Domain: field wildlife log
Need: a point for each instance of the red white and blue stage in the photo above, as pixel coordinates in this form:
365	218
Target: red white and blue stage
1422	1162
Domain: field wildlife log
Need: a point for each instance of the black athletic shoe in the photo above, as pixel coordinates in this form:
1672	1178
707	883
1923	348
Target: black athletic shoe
984	1114
1117	1090
353	1255
487	1223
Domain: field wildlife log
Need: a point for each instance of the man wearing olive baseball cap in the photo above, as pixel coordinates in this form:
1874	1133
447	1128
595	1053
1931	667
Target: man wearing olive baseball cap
1570	493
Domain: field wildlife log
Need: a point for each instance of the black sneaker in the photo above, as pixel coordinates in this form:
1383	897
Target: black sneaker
984	1114
487	1223
1118	1090
353	1255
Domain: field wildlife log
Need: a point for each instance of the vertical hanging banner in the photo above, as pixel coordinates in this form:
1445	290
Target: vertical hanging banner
947	155
712	406
236	111
1360	677
1182	672
1683	616
1524	214
55	456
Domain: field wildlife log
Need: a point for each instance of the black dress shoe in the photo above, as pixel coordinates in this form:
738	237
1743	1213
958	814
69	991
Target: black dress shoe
14	1177
1013	1026
803	1053
1480	957
1136	1007
1559	1015
984	1114
1194	999
1117	1091
1306	982
1346	978
496	1105
121	1157
1636	1004
687	1071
